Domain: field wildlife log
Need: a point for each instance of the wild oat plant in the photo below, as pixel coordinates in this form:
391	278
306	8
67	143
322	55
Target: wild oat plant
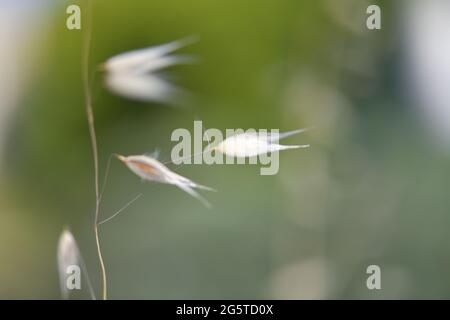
134	75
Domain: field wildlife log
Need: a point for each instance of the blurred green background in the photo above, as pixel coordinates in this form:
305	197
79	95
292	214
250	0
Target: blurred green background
372	189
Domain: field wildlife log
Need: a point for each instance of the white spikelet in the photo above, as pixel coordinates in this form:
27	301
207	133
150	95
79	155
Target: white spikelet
251	144
67	255
134	74
150	169
144	87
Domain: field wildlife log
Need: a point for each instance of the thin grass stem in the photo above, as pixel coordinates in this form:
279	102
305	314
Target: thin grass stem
93	136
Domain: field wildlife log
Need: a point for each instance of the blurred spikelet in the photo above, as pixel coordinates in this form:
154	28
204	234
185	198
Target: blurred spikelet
67	255
133	74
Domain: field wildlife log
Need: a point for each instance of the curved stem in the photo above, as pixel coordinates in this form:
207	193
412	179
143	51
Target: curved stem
93	137
102	264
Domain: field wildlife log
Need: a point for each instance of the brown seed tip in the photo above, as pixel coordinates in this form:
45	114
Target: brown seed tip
121	158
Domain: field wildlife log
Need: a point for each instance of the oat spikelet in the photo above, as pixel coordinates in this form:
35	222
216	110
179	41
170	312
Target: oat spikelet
134	74
251	144
68	255
150	169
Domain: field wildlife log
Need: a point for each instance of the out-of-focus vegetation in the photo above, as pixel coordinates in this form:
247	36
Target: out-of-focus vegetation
372	189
